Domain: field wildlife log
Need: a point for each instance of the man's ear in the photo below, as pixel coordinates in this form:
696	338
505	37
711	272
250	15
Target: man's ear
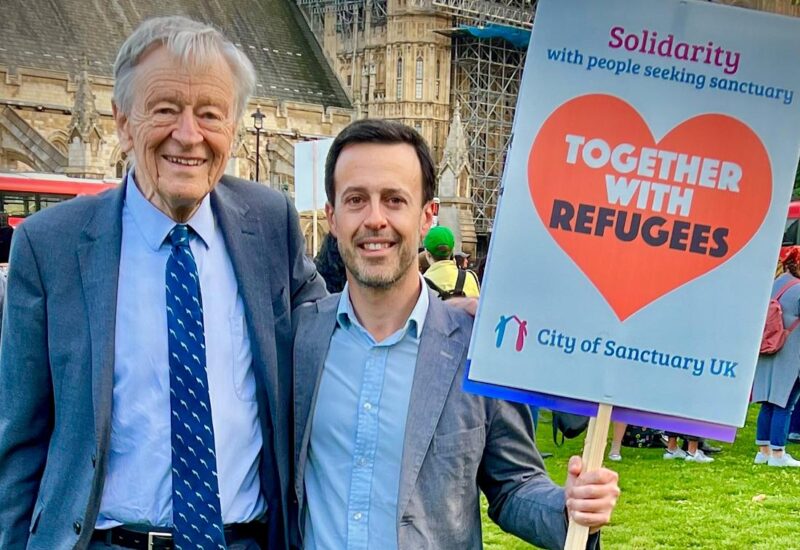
331	219
426	220
123	129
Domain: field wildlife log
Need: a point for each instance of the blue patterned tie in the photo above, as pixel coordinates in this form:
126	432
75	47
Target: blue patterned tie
196	514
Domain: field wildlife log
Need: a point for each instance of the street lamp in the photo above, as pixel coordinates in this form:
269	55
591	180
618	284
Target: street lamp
258	123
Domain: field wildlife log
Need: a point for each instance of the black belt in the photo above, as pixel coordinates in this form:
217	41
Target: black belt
161	538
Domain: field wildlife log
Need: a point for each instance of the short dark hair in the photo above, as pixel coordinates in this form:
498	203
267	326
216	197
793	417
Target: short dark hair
371	130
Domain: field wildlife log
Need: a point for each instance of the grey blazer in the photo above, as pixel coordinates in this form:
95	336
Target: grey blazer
57	355
455	444
776	374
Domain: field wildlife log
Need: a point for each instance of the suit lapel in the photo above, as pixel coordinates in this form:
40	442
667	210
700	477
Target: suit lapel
247	247
98	259
310	351
438	361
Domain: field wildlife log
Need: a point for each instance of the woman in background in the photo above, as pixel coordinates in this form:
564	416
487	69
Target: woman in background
777	380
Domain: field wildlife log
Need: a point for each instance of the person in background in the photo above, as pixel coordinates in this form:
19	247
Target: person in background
693	453
615	452
424	260
6	234
391	453
703	445
794	426
794	423
777	380
329	264
480	269
443	272
462	259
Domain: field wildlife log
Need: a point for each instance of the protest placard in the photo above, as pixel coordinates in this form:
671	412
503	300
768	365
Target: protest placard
654	149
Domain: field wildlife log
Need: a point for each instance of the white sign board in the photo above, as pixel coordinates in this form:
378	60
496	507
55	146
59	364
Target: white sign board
309	174
654	149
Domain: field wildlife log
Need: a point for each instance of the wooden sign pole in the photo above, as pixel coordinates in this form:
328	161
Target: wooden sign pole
594	449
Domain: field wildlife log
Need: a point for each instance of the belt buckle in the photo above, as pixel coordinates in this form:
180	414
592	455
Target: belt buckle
152	534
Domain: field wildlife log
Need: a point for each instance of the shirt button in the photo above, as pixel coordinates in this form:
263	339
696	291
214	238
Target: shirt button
361	462
367	406
77	527
357	516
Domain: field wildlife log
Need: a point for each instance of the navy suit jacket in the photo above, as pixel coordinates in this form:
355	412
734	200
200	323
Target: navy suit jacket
57	354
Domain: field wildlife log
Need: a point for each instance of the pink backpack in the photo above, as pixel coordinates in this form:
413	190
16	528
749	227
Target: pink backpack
774	333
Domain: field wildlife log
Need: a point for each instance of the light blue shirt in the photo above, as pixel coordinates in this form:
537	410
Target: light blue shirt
138	486
352	477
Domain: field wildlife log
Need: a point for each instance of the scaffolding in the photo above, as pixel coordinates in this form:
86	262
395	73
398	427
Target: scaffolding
516	13
485	81
350	14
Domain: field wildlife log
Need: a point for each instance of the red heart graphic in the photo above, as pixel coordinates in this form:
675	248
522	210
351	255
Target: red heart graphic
699	195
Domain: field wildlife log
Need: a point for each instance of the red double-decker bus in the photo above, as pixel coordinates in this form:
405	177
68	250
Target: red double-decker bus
23	193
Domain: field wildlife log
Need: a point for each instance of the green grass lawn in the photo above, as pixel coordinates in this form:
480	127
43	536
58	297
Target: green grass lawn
675	504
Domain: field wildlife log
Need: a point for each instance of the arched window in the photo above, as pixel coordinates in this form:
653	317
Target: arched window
418	78
119	167
399	90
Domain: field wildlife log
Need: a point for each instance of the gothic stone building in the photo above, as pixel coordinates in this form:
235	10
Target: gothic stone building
56	63
316	72
406	60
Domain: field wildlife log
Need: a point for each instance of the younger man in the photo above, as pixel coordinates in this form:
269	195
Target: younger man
390	452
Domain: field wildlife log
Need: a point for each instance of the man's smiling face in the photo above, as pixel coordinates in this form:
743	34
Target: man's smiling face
379	215
180	130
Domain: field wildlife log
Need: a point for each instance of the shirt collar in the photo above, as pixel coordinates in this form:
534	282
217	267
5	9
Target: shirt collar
154	225
346	316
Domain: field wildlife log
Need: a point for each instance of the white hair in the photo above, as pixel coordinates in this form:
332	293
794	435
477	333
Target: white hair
194	44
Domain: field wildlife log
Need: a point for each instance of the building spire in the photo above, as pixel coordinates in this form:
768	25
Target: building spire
456	154
84	131
455	186
85	118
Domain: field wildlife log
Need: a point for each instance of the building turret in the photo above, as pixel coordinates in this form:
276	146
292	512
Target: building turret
455	186
84	133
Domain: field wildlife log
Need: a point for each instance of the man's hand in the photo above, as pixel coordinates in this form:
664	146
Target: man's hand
470	305
591	496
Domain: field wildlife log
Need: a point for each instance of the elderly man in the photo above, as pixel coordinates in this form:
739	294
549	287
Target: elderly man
144	383
390	452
